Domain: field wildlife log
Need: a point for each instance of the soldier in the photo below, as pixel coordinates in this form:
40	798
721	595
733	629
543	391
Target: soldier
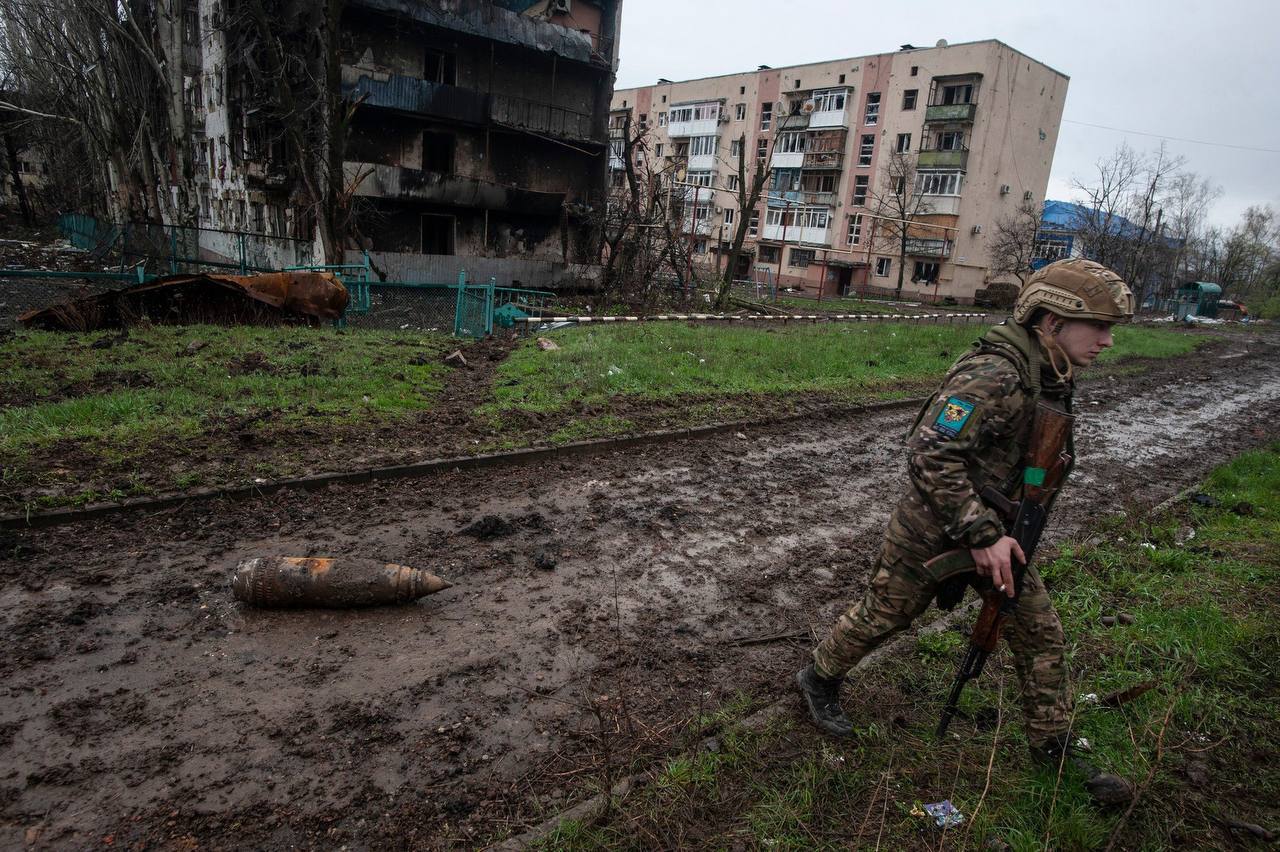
973	433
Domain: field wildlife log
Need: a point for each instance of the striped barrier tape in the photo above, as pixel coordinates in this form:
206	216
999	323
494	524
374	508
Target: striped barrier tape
759	318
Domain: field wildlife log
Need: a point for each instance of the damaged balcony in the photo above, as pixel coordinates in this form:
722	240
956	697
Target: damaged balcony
415	96
376	180
943	158
928	248
455	103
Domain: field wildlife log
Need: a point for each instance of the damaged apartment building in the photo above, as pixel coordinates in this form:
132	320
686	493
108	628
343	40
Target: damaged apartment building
963	134
476	137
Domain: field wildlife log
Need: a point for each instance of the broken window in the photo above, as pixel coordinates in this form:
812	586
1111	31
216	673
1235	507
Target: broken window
961	94
909	98
440	67
791	143
739	112
904	143
735	146
938	183
278	223
829	100
701	146
662	119
801	257
437	152
768	254
883	265
753	224
762	149
259	217
701	178
854	235
657	149
437	234
926	272
682	114
951	140
766	116
860	190
731	182
872	116
866	149
729	215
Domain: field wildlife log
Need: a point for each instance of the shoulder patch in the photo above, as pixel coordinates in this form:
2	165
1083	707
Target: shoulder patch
953	417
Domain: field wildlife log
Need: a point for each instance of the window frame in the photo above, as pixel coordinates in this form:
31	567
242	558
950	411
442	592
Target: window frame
853	231
884	266
871	115
866	150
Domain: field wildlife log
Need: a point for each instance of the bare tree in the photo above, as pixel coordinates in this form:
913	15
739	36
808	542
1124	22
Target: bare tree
897	203
1012	244
750	188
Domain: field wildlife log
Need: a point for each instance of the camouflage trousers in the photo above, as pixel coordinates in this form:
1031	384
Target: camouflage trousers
900	591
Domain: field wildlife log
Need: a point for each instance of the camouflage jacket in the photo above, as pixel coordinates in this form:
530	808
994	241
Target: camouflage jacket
973	432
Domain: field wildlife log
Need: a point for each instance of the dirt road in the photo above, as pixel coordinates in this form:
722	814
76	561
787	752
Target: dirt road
144	706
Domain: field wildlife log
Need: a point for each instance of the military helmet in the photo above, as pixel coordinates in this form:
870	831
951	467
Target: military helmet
1075	289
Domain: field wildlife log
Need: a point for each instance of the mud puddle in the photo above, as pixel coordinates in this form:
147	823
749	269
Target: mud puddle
582	633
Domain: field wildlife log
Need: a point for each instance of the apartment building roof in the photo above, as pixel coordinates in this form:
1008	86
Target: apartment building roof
845	59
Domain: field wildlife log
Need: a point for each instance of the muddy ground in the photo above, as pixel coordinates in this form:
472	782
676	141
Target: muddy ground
143	707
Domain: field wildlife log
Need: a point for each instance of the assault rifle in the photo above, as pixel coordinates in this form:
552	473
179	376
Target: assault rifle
1046	465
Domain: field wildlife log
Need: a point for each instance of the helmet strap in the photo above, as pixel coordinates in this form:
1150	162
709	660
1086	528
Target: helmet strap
1054	351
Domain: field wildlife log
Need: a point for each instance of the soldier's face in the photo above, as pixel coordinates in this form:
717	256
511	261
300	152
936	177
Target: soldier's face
1082	340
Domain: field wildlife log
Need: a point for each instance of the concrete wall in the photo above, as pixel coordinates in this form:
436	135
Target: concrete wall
509	272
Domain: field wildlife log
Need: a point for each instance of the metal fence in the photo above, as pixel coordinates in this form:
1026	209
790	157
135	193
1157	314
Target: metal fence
170	249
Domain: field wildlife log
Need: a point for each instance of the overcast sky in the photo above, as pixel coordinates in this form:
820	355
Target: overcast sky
1206	71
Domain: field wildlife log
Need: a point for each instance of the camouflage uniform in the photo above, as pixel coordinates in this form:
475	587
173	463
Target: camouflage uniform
973	433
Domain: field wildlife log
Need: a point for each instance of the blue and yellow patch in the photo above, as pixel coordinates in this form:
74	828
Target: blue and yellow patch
952	418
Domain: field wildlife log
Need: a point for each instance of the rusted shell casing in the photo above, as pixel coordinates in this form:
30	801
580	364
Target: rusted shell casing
297	581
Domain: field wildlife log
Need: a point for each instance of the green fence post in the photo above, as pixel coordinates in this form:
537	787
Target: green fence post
124	246
488	305
460	303
173	249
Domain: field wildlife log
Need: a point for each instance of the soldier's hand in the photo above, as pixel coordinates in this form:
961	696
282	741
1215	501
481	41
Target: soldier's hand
996	562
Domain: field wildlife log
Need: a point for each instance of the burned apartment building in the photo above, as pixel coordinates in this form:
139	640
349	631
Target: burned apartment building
946	140
467	135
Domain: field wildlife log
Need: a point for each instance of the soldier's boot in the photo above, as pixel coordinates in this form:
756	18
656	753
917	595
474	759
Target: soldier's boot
1103	787
822	696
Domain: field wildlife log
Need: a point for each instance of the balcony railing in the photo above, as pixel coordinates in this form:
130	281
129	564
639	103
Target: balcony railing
410	94
799	121
928	248
823	159
939	159
378	180
949	112
525	114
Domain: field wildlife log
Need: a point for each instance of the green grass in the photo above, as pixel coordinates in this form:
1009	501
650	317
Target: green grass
148	390
666	361
1206	635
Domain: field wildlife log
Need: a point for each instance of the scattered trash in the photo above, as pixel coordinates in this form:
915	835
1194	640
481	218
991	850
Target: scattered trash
456	357
295	581
1244	507
740	436
1184	535
1148	545
1089	698
547	345
1083	744
1206	500
614	371
944	814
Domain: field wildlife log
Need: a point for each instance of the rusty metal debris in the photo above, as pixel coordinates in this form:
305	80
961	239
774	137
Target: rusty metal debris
266	299
295	581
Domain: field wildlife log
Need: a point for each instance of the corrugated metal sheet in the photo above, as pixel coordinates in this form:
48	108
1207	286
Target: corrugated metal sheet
410	94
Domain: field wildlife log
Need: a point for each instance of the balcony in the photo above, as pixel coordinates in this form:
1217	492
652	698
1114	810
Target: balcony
939	113
937	159
702	162
799	121
523	114
817	237
817	199
823	159
829	118
786	160
928	248
701	228
377	180
412	95
700	127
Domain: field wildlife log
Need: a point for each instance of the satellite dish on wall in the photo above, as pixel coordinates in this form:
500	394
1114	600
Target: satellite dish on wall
942	42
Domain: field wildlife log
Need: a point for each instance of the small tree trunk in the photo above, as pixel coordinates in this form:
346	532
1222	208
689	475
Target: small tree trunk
19	189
